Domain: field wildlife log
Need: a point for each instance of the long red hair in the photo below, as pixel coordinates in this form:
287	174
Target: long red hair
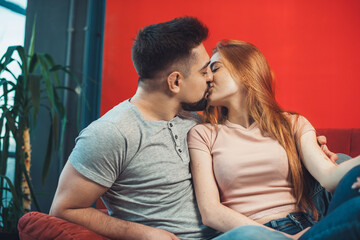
249	66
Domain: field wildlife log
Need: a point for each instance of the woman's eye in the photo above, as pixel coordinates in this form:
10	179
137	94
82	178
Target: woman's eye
215	69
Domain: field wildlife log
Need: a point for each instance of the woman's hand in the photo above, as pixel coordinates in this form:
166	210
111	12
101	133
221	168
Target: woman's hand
356	184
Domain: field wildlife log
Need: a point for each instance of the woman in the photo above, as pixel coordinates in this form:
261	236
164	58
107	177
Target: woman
251	160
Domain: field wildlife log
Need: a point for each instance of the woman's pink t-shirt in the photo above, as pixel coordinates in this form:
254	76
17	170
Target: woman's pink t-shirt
251	170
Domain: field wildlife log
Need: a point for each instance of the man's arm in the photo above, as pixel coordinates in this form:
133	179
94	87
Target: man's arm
73	199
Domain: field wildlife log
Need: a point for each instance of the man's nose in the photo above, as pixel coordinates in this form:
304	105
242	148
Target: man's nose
210	77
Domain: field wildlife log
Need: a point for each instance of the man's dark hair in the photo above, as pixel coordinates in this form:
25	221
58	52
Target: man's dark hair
158	46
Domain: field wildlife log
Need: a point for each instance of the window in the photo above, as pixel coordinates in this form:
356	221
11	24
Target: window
12	32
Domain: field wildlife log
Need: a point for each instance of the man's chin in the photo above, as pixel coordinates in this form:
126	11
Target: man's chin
197	106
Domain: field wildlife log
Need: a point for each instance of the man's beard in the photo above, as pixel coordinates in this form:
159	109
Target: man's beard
196	106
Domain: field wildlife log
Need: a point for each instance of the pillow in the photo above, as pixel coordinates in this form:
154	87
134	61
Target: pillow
37	225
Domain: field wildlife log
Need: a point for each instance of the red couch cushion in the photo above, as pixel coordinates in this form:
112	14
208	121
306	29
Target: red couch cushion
355	142
345	141
36	225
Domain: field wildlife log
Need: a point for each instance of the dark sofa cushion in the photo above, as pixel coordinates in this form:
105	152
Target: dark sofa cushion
36	225
342	140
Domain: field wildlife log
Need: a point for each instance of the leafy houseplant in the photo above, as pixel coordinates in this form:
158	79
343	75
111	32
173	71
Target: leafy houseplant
21	97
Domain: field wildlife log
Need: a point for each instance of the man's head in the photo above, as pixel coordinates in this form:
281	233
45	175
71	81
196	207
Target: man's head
159	46
165	54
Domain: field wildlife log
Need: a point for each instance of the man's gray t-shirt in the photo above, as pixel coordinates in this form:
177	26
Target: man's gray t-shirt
145	164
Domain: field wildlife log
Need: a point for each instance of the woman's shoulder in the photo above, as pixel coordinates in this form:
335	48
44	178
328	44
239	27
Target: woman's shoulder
298	122
204	127
294	117
202	136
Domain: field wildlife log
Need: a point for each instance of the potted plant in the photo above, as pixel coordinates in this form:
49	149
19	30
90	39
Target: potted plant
21	97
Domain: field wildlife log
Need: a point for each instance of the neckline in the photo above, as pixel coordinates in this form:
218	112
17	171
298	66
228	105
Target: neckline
238	126
137	112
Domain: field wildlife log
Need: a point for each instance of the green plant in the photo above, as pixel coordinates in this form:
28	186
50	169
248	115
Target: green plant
22	96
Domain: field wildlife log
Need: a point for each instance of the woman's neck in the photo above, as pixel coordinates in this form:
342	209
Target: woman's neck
238	113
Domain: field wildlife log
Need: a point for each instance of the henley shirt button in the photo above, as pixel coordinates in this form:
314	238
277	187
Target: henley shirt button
171	125
176	137
179	150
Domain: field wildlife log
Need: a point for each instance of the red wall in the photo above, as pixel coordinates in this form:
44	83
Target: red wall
313	46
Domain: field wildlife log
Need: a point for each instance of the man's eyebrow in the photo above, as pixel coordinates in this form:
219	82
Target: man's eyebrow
205	66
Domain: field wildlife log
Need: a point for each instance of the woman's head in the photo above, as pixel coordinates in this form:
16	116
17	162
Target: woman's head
241	68
253	81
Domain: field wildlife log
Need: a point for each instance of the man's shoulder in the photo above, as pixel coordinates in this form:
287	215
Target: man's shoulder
120	120
119	113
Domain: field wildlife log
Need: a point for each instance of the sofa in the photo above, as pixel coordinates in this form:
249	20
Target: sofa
36	225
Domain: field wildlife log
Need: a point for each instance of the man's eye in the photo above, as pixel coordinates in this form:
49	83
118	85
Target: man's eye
205	73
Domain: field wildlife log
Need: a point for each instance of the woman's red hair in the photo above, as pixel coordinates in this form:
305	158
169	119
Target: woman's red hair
249	66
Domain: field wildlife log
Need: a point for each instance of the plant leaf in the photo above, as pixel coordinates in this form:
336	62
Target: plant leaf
5	150
62	115
51	62
55	129
10	121
33	63
32	39
6	58
47	160
34	81
56	68
6	92
67	88
12	190
23	66
19	97
47	80
10	72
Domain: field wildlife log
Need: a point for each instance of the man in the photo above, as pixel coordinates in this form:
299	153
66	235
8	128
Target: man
135	157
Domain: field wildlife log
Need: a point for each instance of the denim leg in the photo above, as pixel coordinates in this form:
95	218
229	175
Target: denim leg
341	223
342	158
320	196
292	224
343	219
252	232
321	199
343	191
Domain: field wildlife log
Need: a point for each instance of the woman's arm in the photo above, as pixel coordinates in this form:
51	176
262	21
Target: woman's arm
213	213
319	165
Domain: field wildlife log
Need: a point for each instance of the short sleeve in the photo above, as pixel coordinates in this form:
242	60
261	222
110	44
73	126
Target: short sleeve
200	137
99	153
300	125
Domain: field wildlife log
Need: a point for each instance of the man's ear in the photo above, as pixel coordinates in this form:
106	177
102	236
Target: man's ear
173	81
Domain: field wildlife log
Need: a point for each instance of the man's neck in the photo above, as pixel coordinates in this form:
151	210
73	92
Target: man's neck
155	106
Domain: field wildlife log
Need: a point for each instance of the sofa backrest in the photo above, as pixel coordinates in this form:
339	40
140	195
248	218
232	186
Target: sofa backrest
342	140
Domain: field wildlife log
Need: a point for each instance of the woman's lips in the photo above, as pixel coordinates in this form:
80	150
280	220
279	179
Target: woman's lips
208	92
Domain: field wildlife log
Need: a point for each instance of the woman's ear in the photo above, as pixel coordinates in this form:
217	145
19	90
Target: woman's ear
173	81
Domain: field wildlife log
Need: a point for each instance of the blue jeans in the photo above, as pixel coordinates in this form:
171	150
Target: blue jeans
252	232
292	224
341	222
343	217
320	196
